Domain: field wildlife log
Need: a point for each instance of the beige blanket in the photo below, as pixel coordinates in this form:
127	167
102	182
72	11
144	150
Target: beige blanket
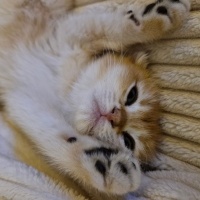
175	64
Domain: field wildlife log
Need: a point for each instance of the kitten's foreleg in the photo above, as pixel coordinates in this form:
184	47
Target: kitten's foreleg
84	158
64	5
86	2
32	103
116	24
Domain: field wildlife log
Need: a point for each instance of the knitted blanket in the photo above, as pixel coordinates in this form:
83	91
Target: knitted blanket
175	65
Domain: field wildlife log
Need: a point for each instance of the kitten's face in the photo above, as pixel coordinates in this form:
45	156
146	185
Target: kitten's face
115	99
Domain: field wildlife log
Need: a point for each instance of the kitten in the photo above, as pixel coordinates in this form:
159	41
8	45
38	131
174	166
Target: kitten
57	91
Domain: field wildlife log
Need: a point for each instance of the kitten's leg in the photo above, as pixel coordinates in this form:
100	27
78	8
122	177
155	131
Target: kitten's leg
115	24
84	158
86	2
31	103
64	5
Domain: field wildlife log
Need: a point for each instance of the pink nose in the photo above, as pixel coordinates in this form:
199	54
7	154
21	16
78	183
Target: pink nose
114	117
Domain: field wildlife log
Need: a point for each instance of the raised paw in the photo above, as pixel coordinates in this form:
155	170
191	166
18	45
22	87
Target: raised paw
100	166
172	12
158	17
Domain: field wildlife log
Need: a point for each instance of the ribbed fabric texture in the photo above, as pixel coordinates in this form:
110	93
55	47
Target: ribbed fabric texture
175	64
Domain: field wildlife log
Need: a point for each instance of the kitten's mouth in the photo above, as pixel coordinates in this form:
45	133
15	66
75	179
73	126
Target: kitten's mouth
97	116
95	122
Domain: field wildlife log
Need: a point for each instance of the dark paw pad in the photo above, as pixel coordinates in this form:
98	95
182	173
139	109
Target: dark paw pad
133	18
72	140
123	168
175	1
149	8
107	152
134	165
162	10
147	168
129	12
100	167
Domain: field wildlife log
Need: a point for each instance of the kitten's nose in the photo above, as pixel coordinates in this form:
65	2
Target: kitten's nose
114	117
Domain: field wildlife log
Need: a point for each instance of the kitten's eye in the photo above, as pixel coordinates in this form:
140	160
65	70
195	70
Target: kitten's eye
132	96
129	141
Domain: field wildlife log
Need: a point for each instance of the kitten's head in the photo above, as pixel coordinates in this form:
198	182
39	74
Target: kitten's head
116	100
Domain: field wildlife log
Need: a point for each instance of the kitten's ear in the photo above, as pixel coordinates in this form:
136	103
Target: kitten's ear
139	54
140	58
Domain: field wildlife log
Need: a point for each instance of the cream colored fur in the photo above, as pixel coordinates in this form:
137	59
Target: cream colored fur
46	46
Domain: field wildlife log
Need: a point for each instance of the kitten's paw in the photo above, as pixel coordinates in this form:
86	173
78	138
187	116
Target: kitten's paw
107	169
112	171
158	17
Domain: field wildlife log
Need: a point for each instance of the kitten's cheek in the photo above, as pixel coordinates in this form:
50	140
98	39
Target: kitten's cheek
82	122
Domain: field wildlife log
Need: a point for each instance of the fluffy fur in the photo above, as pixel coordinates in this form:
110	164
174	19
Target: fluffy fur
57	88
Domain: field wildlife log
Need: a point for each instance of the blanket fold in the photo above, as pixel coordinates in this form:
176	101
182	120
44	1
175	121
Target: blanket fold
175	65
176	52
180	149
177	77
181	127
191	29
195	4
181	102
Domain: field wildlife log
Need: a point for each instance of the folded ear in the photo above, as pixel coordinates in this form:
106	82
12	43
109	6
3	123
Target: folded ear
141	58
139	54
